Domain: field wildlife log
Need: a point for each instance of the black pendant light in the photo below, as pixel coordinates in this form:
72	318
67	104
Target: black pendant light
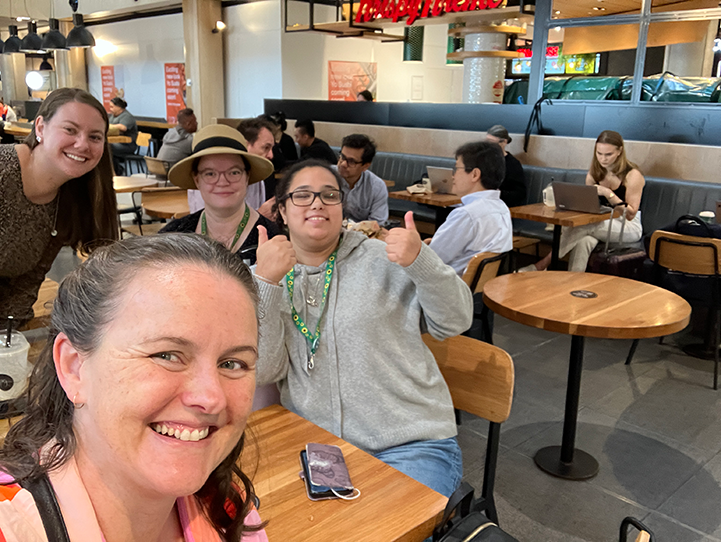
80	36
32	43
12	44
413	44
45	65
54	40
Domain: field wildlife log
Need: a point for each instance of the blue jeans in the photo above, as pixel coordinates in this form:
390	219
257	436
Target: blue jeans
437	464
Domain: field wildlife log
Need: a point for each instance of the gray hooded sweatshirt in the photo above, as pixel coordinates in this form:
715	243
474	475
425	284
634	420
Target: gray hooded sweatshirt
374	382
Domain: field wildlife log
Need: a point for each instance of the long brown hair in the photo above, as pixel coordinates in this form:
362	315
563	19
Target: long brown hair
87	208
620	167
85	305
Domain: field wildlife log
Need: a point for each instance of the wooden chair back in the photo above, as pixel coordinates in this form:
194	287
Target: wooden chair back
479	375
482	268
156	167
142	140
686	253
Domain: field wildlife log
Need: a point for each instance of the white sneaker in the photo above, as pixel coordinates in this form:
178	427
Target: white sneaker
527	268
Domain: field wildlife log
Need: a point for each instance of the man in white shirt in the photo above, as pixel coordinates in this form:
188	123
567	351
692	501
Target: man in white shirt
483	222
366	195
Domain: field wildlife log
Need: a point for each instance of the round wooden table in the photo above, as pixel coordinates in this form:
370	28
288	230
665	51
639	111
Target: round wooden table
583	305
132	184
166	203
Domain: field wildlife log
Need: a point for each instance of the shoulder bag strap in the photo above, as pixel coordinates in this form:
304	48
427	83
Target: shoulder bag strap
460	501
44	496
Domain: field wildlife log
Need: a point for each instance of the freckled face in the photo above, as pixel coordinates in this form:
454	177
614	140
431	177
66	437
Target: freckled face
168	391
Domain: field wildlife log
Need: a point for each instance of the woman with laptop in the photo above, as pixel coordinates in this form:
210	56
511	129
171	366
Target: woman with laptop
619	182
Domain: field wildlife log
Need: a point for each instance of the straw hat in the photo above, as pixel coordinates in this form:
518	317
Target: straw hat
218	139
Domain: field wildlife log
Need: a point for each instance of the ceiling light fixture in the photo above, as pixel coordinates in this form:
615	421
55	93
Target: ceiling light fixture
219	27
32	43
12	44
54	39
79	36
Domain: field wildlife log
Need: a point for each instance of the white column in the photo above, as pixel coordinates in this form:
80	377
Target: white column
483	77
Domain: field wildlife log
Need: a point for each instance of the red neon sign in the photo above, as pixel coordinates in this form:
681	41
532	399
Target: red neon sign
551	51
370	10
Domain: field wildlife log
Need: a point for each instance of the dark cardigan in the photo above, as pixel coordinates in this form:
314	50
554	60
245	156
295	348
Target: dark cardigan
188	224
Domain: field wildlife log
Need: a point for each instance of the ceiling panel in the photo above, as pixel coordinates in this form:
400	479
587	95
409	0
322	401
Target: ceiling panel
564	9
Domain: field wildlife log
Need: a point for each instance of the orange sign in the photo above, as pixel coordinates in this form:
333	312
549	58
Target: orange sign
370	10
107	76
174	90
347	79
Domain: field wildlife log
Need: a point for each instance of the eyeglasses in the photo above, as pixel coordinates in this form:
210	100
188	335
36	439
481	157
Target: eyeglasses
464	168
233	175
305	198
349	161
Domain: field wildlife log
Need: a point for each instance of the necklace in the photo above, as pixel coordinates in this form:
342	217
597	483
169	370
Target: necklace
313	338
54	231
238	232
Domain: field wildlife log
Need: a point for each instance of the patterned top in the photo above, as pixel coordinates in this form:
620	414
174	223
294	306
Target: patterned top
28	250
20	520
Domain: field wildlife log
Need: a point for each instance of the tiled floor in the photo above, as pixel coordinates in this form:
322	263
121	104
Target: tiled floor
654	426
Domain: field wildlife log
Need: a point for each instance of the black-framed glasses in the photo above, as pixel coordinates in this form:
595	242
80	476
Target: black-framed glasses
305	198
350	161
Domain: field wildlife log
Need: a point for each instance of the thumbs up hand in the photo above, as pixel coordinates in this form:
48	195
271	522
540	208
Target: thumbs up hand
275	256
404	244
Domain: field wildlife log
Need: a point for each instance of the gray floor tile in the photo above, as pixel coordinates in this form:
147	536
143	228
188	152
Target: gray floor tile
667	529
698	502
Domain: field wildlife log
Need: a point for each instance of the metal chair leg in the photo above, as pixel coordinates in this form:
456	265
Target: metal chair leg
486	325
632	351
660	340
458	416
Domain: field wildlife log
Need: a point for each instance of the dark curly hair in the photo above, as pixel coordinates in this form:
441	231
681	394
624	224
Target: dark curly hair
85	305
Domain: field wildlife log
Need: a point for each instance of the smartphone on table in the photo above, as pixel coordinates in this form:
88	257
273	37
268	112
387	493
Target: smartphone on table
325	472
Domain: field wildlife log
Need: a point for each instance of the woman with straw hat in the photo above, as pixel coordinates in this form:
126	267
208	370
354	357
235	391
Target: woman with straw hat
222	168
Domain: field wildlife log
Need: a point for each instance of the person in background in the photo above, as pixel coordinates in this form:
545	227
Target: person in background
56	189
359	368
365	194
122	120
222	169
483	222
514	191
311	146
288	154
619	182
138	404
178	141
364	96
7	112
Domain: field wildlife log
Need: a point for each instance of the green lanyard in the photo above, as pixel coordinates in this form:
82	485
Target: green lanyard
313	338
238	232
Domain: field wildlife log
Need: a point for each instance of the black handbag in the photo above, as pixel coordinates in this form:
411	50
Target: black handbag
468	524
48	507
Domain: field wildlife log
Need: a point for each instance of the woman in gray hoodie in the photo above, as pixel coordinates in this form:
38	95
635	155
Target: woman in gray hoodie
341	323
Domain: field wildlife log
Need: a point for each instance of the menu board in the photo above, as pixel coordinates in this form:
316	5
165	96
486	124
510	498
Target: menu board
174	90
347	79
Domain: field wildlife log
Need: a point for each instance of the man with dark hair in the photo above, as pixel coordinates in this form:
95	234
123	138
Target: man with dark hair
311	146
178	142
513	187
366	195
483	222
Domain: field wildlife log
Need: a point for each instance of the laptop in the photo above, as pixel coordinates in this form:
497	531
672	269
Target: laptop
578	197
441	179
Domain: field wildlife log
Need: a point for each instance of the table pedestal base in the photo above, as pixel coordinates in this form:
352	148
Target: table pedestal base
583	466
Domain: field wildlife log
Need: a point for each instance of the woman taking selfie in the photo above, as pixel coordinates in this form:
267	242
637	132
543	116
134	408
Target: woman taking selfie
619	182
137	407
56	189
341	323
222	168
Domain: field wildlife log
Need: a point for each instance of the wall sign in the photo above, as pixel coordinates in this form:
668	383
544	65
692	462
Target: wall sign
370	10
174	90
347	79
107	76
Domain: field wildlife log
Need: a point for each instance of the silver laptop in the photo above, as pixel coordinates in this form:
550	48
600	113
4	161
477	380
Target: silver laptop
578	197
441	179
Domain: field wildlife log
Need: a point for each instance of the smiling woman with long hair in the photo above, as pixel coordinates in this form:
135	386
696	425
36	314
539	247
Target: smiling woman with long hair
56	189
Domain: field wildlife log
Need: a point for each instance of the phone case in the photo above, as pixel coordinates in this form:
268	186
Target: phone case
328	473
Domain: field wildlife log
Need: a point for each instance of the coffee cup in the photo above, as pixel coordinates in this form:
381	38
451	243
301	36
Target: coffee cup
708	216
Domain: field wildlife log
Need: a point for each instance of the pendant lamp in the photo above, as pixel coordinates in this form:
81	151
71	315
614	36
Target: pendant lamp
12	44
79	36
32	43
54	40
413	44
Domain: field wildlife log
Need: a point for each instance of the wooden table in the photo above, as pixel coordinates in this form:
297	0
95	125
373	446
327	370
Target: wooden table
132	184
21	131
165	203
540	212
441	203
583	305
392	506
155	124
